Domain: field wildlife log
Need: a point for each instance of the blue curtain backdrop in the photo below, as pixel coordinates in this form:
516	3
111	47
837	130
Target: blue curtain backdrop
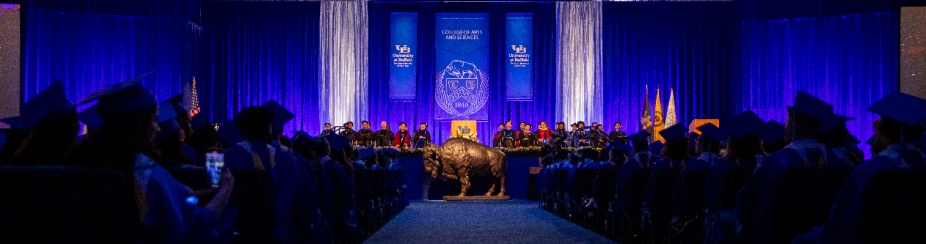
500	109
688	46
258	52
88	50
849	61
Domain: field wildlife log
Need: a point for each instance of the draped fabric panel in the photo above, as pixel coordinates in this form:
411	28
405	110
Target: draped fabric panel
579	87
343	61
259	52
849	61
688	46
541	108
89	51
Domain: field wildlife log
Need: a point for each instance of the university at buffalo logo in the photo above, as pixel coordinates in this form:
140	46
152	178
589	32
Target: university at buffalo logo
462	89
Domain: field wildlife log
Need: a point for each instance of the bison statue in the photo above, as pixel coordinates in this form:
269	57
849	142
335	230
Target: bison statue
460	158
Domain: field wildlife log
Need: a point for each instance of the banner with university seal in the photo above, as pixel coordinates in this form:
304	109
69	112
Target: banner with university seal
461	88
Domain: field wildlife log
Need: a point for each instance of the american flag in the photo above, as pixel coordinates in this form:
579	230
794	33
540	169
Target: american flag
194	104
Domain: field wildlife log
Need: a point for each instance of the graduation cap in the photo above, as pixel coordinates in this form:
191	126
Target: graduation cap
673	132
656	147
812	106
114	88
337	142
367	152
902	107
281	115
167	120
772	132
621	147
229	132
90	117
639	136
48	102
712	132
744	123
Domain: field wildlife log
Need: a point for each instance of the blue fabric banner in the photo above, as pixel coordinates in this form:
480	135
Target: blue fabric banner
404	42
461	62
519	35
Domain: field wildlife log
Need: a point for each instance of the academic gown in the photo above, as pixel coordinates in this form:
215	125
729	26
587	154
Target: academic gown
624	188
402	139
843	225
173	215
342	213
384	137
365	137
425	138
294	204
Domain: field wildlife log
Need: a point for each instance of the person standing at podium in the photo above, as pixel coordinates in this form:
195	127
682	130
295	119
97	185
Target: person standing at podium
617	135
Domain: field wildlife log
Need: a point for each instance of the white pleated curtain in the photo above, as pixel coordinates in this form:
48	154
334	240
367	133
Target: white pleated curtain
343	61
578	61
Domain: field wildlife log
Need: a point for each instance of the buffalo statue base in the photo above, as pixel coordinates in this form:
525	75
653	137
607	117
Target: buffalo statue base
476	198
459	159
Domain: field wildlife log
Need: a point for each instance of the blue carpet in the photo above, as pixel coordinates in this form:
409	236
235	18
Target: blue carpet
515	221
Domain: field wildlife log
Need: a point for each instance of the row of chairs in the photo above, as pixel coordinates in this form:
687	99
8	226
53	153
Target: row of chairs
893	203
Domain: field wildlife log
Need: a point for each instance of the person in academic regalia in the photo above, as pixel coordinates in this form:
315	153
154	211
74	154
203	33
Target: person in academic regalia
754	203
617	135
328	130
641	150
543	133
772	137
348	132
166	208
580	135
527	138
422	137
365	136
835	140
508	136
341	211
621	156
170	139
51	122
741	156
384	136
598	138
558	139
896	132
570	138
676	157
402	137
497	138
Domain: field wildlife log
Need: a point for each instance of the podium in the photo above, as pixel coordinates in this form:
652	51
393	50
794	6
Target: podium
455	129
693	126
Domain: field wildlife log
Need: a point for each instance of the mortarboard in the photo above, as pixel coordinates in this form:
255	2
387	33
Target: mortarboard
656	147
812	106
48	102
337	142
367	152
122	98
91	118
712	132
744	123
902	107
281	115
639	136
114	88
673	132
772	132
167	116
229	132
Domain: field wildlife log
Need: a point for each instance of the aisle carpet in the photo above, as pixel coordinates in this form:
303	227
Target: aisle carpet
481	222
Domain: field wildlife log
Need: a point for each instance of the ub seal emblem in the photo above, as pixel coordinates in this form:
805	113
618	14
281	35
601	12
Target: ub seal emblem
462	89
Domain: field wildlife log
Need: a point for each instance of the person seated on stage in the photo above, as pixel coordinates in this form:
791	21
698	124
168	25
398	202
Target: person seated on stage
365	135
543	133
327	130
348	132
617	135
497	138
527	138
598	138
402	138
559	136
51	121
580	135
508	138
384	136
896	133
422	137
754	202
166	209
